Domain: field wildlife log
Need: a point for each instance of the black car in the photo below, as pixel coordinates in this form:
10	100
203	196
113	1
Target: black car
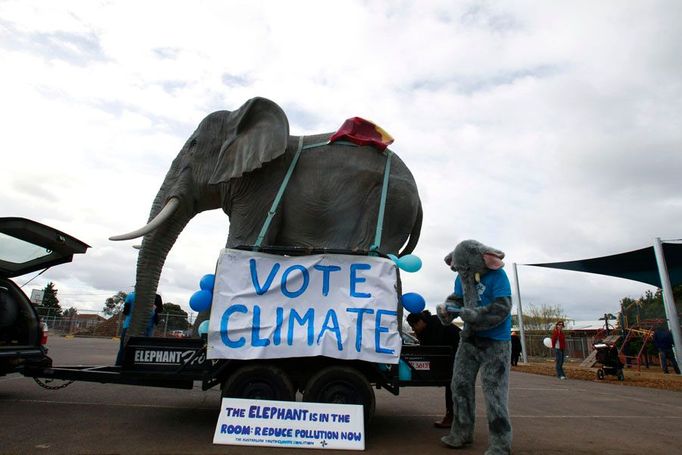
25	247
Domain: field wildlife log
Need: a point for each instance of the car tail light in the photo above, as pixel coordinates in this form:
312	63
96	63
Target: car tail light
43	334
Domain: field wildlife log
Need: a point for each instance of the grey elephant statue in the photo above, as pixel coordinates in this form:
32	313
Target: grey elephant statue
237	160
482	298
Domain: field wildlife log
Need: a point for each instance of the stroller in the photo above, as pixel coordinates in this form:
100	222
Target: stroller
607	356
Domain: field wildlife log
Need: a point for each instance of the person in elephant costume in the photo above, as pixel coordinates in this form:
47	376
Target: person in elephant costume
482	298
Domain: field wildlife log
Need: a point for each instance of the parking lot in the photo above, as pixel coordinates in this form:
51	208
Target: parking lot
548	416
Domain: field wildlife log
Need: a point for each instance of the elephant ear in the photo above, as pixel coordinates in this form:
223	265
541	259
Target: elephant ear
493	259
257	133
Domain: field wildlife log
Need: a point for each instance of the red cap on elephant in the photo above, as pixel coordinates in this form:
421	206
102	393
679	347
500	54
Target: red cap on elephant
363	132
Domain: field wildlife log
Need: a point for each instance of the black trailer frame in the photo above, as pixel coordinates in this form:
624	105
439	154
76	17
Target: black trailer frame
179	363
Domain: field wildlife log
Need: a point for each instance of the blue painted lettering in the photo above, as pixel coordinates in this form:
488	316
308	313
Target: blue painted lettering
260	290
277	336
256	340
378	330
304	284
355	279
326	271
308	317
331	316
358	324
224	329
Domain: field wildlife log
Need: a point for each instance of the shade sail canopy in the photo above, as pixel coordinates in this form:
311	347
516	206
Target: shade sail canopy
638	265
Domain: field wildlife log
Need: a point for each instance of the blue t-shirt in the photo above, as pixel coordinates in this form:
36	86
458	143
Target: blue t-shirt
130	300
493	284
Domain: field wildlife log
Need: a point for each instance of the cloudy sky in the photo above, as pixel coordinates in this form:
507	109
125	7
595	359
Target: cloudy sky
550	130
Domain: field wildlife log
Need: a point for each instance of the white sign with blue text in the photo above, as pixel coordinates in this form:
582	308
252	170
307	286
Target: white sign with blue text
269	306
290	424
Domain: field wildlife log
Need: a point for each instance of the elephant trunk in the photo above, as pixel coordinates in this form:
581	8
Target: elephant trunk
470	290
155	248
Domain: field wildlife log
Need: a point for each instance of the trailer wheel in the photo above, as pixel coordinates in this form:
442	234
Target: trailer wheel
259	382
342	385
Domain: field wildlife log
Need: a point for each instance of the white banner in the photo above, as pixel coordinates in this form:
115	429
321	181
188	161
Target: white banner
269	306
290	424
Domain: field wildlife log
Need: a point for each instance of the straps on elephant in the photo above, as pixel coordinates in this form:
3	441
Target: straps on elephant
374	249
278	197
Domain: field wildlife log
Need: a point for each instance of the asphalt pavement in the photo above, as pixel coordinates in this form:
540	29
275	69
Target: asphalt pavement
548	416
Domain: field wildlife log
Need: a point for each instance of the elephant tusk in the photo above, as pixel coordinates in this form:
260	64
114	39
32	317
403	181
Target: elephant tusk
164	214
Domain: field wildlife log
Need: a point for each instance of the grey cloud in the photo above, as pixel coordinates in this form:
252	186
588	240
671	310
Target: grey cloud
173	86
35	190
166	52
74	48
301	118
233	80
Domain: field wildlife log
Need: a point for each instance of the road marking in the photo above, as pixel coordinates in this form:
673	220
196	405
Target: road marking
548	389
592	417
551	416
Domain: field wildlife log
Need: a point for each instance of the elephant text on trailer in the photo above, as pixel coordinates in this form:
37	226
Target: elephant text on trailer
270	306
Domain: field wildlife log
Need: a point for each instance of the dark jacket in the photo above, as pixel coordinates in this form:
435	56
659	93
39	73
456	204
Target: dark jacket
437	334
515	344
663	339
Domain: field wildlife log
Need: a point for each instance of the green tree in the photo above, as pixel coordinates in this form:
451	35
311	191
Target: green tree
70	313
176	317
50	305
648	306
114	304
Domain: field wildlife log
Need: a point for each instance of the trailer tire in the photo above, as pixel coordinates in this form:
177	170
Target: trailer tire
344	385
259	382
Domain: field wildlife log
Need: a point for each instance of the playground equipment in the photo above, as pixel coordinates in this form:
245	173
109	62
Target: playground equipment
642	332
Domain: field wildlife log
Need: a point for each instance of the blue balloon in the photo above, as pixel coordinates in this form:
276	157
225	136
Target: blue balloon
203	328
201	300
393	258
207	282
410	263
413	302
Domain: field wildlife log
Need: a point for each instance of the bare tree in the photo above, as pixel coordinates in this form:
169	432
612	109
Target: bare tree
543	317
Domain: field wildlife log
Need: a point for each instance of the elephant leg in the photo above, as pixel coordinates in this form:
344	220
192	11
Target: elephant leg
463	385
495	384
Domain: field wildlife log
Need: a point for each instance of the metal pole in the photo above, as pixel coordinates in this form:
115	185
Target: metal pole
668	299
519	312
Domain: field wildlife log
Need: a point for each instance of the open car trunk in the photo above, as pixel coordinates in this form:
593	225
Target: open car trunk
26	246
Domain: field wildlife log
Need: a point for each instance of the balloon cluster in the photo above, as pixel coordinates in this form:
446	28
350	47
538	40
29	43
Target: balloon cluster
412	302
201	300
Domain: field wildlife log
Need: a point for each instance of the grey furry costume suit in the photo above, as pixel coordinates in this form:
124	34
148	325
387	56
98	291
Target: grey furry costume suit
482	299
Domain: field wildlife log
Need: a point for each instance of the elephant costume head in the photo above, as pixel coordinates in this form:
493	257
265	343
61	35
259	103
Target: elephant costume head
471	259
236	161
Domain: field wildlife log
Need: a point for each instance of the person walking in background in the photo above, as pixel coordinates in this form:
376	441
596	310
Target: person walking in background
515	348
559	346
430	332
128	306
663	340
154	320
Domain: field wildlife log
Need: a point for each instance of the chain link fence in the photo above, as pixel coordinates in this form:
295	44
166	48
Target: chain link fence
92	323
577	346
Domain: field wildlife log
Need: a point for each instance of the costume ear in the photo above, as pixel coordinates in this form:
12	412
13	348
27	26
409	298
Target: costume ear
493	259
257	133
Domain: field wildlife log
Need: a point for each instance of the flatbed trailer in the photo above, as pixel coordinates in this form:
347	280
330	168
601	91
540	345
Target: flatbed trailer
181	362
